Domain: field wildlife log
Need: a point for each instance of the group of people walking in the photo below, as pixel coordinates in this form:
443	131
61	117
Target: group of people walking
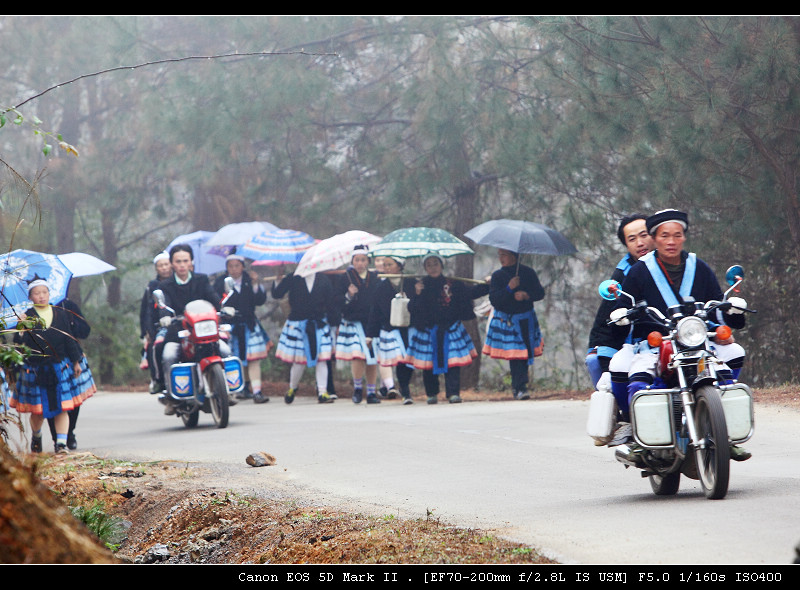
347	317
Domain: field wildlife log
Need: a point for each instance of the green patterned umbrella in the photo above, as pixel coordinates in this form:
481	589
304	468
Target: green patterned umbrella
412	242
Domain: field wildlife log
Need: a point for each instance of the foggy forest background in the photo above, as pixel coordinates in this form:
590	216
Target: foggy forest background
331	123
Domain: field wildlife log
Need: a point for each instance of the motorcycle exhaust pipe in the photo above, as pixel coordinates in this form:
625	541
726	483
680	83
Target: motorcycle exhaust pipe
623	455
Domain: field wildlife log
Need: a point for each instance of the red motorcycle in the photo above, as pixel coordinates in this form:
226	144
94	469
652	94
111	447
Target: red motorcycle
203	379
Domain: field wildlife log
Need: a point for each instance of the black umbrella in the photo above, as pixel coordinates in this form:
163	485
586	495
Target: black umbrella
524	237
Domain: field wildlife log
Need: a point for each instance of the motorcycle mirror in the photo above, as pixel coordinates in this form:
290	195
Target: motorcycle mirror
609	290
158	297
734	274
229	284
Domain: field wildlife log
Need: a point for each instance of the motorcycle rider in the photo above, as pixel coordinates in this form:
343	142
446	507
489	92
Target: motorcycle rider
179	289
666	277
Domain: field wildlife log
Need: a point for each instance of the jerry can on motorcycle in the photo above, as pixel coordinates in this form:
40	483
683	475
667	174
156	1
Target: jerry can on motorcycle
652	418
183	378
234	373
737	403
602	416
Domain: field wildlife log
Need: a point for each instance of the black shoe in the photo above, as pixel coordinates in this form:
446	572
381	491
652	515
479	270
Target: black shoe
245	393
325	398
740	454
372	399
72	444
260	398
522	394
36	444
358	395
407	401
432	399
392	393
383	393
454	399
61	449
289	396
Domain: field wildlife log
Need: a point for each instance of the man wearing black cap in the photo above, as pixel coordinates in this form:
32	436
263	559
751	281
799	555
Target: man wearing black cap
664	278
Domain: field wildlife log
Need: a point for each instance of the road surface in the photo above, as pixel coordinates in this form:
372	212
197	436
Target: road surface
526	469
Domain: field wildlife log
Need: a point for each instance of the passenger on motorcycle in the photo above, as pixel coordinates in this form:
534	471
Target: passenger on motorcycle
665	278
632	232
179	289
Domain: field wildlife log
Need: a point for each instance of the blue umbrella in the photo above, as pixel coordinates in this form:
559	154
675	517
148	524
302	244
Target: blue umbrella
278	245
208	259
18	269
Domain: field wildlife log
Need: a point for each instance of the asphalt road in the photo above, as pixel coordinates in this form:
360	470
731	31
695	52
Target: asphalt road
525	468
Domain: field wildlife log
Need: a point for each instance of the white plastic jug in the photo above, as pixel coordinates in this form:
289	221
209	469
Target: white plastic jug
602	416
399	316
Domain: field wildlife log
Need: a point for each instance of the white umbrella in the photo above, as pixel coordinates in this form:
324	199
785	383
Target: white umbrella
236	234
207	259
333	252
82	265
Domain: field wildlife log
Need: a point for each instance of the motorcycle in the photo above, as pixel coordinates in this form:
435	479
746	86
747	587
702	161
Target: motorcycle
686	422
202	380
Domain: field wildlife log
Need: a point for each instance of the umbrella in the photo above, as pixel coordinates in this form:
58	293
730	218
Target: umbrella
333	252
524	237
236	234
82	265
20	267
207	259
276	246
419	241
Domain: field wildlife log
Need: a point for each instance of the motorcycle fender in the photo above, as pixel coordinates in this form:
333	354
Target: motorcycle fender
208	361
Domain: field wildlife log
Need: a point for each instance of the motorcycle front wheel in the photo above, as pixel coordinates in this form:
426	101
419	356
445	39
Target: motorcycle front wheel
190	419
713	457
665	485
217	394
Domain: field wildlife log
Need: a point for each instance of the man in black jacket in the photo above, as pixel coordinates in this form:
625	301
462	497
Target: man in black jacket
181	288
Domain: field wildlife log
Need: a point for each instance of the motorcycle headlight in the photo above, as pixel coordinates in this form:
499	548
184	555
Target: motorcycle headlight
691	331
205	328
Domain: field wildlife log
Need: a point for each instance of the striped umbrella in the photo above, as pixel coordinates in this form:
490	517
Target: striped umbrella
276	246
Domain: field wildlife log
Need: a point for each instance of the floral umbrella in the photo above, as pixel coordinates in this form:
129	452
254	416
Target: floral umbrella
18	269
276	246
334	252
418	241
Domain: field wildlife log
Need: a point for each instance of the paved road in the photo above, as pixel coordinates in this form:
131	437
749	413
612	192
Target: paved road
526	468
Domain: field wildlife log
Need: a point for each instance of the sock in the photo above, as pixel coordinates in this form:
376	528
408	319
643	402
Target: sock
388	383
370	389
37	433
358	383
61	439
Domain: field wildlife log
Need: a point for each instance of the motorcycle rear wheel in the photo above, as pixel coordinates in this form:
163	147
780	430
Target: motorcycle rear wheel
218	398
713	460
665	485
